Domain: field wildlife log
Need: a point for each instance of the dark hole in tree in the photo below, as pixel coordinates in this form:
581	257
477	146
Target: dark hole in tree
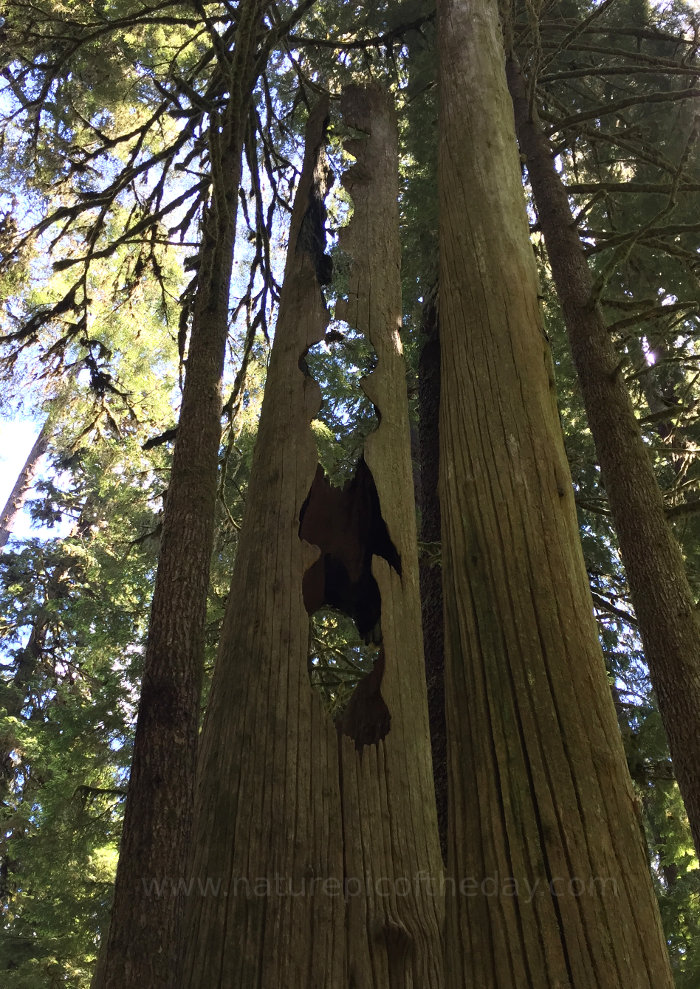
347	525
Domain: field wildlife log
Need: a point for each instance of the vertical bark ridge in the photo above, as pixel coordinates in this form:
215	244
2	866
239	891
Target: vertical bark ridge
430	569
541	808
394	823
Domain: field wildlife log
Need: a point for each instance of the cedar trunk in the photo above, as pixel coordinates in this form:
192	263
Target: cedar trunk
546	852
662	598
389	820
303	830
143	943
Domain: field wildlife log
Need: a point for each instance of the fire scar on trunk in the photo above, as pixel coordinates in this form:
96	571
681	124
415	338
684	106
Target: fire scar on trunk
347	525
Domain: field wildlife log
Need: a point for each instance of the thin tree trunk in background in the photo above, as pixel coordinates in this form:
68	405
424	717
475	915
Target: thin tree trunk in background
302	830
544	838
661	595
430	567
143	944
25	479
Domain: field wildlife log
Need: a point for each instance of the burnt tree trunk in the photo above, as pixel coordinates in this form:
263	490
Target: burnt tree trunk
143	943
303	828
662	598
546	852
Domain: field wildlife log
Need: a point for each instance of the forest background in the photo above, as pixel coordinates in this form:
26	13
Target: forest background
104	177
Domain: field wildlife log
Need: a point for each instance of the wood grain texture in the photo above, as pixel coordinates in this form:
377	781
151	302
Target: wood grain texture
388	794
544	832
663	600
290	815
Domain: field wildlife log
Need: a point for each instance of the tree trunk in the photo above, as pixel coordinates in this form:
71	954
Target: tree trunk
430	566
25	479
546	852
303	830
143	944
387	791
662	598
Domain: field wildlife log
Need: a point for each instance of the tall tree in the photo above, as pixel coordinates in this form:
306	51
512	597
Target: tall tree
313	835
158	815
124	85
543	826
400	939
663	601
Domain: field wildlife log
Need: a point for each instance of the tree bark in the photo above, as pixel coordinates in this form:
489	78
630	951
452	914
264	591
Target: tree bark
546	852
25	479
143	944
430	565
661	595
298	824
389	818
268	801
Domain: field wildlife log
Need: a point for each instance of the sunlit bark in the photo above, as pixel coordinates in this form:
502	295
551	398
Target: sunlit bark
313	836
663	601
544	834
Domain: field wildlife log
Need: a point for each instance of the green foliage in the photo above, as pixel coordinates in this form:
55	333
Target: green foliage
73	612
347	416
72	660
338	659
